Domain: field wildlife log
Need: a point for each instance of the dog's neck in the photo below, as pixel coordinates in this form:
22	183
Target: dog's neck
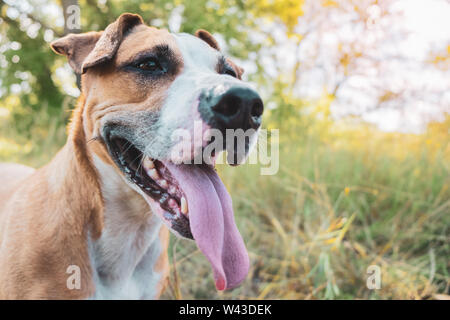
127	245
125	255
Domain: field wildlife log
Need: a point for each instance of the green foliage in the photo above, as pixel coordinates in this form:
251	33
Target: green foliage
36	64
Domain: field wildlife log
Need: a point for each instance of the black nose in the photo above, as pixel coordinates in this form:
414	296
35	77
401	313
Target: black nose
237	108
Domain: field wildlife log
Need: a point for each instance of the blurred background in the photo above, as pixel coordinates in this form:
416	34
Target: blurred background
360	91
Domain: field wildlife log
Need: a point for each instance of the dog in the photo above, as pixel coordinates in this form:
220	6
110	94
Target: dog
94	222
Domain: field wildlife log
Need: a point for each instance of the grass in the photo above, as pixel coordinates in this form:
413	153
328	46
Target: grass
313	229
337	206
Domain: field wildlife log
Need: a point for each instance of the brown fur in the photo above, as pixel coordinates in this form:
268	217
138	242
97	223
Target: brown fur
57	211
208	38
162	265
47	215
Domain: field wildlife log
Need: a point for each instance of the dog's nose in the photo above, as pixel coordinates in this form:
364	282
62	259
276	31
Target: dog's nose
237	108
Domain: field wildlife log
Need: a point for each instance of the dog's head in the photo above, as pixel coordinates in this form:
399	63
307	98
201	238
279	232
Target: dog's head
156	101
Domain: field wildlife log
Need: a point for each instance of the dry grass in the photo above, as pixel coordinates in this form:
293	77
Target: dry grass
313	229
342	201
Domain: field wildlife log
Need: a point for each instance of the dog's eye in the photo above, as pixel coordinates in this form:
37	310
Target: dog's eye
229	70
151	65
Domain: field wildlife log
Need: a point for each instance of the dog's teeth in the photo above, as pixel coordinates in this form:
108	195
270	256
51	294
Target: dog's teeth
153	174
163	183
148	163
184	205
172	190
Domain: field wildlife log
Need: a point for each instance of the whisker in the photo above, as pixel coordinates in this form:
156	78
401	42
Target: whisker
140	162
128	148
96	138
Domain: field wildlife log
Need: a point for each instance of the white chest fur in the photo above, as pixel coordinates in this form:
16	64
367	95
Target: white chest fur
124	257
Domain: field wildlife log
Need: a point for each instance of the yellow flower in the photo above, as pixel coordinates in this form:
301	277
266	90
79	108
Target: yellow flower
331	240
347	191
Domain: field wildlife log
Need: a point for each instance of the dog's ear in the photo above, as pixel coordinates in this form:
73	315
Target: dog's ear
76	47
208	38
109	42
239	70
92	48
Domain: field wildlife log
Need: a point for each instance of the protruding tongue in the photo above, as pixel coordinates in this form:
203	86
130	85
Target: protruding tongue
212	223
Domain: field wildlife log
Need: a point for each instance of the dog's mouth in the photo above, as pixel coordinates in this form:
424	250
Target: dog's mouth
193	202
155	180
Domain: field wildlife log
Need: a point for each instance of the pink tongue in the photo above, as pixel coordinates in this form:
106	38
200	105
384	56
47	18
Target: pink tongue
212	223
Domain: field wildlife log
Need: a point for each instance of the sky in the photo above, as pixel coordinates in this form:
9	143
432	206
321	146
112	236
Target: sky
398	45
429	23
399	48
